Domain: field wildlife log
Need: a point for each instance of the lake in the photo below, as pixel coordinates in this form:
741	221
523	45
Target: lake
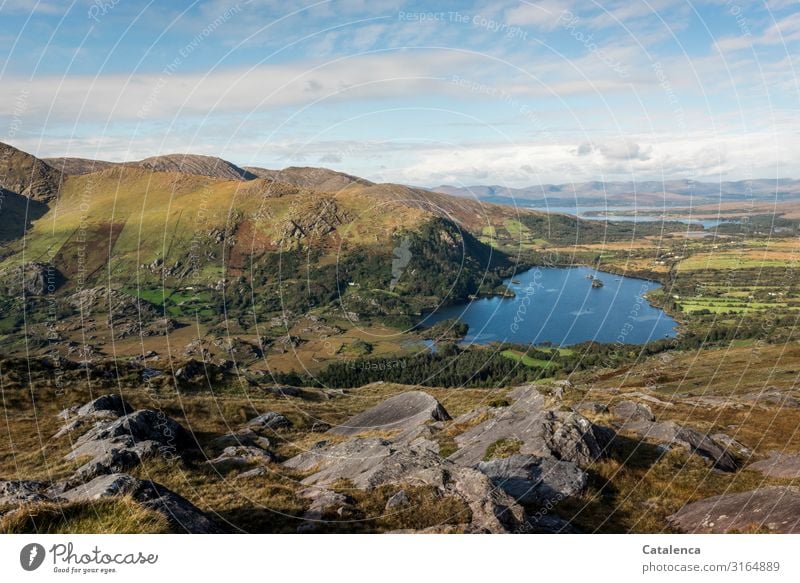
559	305
641	215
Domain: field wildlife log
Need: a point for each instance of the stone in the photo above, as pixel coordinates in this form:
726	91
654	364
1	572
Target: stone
143	425
591	407
270	420
772	508
401	414
670	433
366	462
631	411
16	492
397	500
112	403
246	437
541	432
121	455
532	480
238	457
493	511
181	513
778	465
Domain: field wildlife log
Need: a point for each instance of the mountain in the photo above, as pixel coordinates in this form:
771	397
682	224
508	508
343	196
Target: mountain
77	166
321	179
669	192
26	175
195	164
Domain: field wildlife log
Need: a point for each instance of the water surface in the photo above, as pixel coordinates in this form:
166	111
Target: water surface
559	305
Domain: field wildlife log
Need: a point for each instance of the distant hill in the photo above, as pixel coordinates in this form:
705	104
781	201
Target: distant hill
321	179
669	192
78	166
195	164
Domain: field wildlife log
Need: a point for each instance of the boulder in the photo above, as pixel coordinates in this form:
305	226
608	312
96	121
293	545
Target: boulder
533	480
398	500
493	511
16	492
631	411
591	407
245	437
239	456
772	508
181	513
142	425
114	456
401	414
107	403
778	465
270	420
670	433
541	432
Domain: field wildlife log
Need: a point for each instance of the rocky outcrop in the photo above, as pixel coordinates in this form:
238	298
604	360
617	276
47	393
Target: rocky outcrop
540	431
669	433
238	457
631	412
771	508
179	512
16	492
115	439
31	279
401	415
320	179
27	175
532	480
270	420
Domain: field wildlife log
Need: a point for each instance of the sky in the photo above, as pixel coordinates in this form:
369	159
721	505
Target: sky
461	93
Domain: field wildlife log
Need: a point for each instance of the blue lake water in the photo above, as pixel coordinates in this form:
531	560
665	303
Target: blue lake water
559	305
606	213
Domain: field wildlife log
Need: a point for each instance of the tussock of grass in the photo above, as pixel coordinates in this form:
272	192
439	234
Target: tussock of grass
502	448
110	516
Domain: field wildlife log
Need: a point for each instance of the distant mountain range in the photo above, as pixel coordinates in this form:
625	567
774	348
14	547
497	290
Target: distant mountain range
672	193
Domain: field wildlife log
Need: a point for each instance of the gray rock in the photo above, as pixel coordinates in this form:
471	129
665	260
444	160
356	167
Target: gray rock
112	403
397	500
181	513
367	462
778	465
142	425
270	420
532	480
246	437
120	454
493	511
541	432
774	508
239	456
256	472
591	407
402	413
631	411
16	492
670	433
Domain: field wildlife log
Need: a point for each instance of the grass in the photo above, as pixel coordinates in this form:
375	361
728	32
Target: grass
526	360
502	448
110	516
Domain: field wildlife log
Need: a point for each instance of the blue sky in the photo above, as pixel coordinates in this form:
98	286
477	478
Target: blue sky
505	92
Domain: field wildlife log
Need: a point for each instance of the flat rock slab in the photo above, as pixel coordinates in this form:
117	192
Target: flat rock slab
774	508
778	465
534	480
402	413
368	462
540	431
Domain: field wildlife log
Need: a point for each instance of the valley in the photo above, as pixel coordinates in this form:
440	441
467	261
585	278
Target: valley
273	320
